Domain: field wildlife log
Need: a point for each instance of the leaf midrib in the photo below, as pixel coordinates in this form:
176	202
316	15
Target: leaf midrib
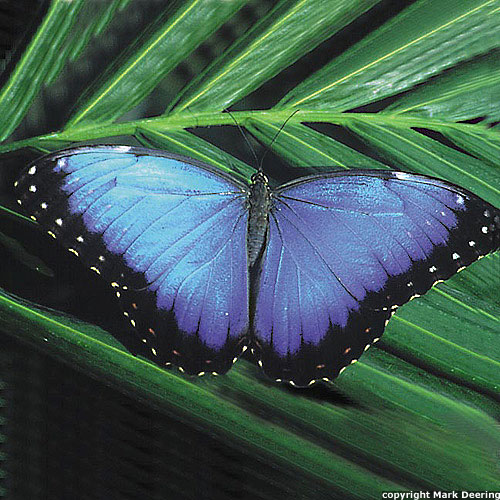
180	121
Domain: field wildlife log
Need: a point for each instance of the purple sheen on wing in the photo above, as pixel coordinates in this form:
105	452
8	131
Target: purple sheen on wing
286	318
412	213
327	232
314	322
435	231
298	295
408	187
334	239
332	232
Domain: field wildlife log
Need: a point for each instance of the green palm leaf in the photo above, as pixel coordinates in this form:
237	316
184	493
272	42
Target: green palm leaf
271	45
423	402
150	60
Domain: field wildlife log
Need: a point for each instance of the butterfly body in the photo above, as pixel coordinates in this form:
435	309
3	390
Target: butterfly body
259	204
307	275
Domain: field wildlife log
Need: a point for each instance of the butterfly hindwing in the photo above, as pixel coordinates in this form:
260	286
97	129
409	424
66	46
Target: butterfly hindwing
345	250
167	233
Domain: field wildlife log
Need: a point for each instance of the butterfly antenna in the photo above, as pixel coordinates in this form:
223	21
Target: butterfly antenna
275	137
193	115
250	147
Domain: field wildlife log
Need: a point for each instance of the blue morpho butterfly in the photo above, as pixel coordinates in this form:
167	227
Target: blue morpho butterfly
306	275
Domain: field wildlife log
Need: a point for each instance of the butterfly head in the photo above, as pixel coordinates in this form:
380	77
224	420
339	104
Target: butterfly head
259	194
259	178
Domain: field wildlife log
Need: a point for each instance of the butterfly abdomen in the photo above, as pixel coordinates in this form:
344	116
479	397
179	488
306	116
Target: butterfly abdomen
259	201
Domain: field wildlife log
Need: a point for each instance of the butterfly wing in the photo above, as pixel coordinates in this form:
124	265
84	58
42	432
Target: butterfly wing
344	250
169	235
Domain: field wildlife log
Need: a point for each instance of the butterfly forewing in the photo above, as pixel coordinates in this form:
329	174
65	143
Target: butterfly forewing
345	250
166	232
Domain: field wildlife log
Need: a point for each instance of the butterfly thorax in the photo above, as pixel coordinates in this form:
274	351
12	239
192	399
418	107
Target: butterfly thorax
259	202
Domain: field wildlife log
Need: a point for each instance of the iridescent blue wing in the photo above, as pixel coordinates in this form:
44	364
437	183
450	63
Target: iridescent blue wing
344	250
168	233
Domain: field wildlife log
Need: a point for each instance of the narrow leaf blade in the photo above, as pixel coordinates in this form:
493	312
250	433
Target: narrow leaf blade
466	92
41	56
423	40
146	65
288	32
485	146
411	150
302	146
